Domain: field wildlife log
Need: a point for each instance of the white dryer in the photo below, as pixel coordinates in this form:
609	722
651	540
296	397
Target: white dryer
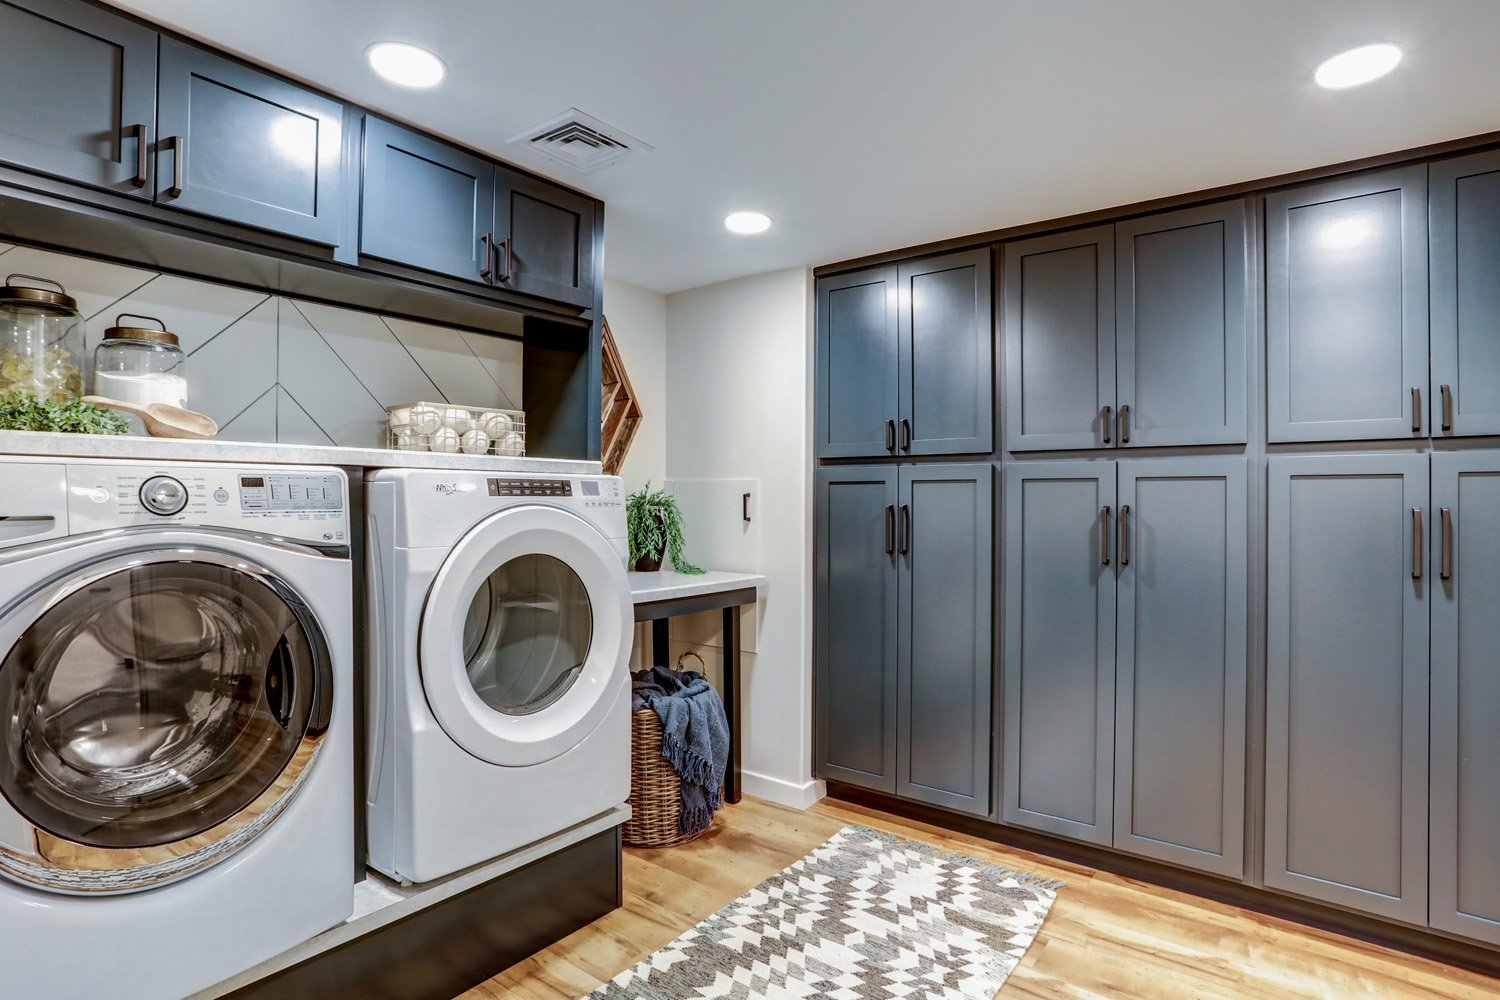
500	687
176	759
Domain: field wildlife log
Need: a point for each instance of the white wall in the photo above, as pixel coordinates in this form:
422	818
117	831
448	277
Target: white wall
638	319
738	365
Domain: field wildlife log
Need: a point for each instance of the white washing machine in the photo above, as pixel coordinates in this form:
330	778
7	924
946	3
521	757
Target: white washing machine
500	687
177	760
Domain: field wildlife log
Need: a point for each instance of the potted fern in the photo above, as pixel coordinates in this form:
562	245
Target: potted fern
655	526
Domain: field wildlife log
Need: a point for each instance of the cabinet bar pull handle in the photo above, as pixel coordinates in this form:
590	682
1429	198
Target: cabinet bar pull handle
141	164
1104	513
178	145
505	245
890	435
1447	407
1125	536
905	529
890	529
1447	572
1125	424
745	507
1108	423
905	434
489	257
1416	543
1416	409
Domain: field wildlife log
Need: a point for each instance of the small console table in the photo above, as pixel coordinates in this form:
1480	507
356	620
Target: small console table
663	595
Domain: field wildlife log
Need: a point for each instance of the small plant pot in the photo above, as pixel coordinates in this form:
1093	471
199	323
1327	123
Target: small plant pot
648	564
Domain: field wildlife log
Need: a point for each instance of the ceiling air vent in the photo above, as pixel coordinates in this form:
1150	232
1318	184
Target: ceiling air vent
581	141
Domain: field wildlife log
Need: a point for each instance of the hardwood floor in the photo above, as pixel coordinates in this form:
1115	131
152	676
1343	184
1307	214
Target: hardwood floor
1107	937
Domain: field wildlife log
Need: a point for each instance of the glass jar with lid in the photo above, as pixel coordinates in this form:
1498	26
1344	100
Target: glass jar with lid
41	340
140	364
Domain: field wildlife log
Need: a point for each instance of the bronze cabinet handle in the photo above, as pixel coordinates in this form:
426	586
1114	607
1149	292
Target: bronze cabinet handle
1416	543
745	507
905	434
505	245
1125	536
1108	423
1125	424
1104	513
890	435
488	272
905	529
178	145
890	529
1416	409
142	164
1447	571
1447	391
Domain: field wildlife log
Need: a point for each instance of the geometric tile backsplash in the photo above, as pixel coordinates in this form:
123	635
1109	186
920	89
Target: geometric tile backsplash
275	369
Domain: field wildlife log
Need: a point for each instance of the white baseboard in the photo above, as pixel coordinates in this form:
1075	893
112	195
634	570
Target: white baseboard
786	793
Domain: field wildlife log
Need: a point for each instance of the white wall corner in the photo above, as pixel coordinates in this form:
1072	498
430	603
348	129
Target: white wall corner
786	793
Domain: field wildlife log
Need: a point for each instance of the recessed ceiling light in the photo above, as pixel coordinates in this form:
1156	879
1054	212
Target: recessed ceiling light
1357	66
747	223
405	64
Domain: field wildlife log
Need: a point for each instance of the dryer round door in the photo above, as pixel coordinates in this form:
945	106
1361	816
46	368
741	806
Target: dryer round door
160	710
525	636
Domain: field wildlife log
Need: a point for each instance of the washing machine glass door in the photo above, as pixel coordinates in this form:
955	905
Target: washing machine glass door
159	712
526	635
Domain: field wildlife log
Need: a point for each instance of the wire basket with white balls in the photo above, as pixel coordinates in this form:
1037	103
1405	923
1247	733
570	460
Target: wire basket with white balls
469	430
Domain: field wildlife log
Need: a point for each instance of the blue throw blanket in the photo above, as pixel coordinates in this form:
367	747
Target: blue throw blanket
695	738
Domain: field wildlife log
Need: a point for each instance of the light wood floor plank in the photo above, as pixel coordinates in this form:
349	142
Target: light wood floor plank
1107	938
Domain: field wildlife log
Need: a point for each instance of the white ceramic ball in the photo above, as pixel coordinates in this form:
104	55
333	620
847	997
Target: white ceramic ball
408	439
424	419
496	425
475	441
445	439
458	418
510	444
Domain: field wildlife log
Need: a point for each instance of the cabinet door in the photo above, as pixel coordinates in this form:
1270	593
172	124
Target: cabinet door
1059	663
947	335
1346	698
1182	550
857	596
80	94
1181	327
1060	341
857	364
1346	309
425	203
946	519
546	236
1466	696
1465	228
245	146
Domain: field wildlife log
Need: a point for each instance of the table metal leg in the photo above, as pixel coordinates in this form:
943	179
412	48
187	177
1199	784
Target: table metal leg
731	697
661	643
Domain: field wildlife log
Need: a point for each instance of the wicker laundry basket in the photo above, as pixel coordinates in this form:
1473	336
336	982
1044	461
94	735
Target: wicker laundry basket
655	788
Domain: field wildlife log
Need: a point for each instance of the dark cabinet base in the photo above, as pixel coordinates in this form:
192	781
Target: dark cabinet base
443	951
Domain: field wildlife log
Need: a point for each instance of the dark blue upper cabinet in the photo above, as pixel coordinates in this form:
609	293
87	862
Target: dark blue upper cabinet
546	239
1060	341
1346	309
80	94
1465	228
244	146
946	334
426	203
858	361
1182	327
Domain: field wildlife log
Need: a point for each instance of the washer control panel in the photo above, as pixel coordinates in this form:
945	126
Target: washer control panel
302	504
531	487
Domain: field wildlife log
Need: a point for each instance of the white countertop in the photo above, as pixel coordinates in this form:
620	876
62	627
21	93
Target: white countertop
128	447
665	586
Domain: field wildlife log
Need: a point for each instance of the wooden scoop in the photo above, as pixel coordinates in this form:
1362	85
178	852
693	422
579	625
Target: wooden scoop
162	419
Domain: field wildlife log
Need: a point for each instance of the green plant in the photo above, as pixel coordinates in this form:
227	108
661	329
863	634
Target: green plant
24	413
655	526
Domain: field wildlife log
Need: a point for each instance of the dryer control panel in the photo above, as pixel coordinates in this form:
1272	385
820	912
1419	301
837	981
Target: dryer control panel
302	504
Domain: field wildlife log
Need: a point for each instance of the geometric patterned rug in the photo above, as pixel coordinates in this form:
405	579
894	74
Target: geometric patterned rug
866	916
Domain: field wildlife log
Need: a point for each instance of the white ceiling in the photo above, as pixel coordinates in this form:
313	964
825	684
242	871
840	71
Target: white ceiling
870	125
